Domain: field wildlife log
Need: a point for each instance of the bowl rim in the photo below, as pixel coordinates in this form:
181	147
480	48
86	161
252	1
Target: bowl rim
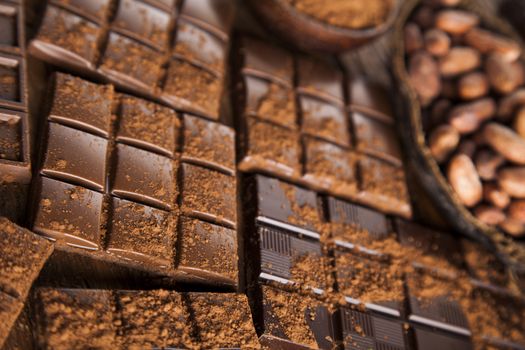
338	30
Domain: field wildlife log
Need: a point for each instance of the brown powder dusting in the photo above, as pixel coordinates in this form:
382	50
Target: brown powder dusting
303	214
195	85
353	14
223	321
290	313
277	105
152	319
73	319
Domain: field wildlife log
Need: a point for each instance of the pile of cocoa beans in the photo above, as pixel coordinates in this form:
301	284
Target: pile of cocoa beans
470	84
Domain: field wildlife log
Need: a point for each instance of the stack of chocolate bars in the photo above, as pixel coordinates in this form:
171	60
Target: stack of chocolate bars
169	184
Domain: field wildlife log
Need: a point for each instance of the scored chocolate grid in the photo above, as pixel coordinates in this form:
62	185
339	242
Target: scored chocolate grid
345	153
163	209
107	38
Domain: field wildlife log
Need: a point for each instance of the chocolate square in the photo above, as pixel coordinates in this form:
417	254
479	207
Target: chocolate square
287	255
438	250
81	104
11	27
95	10
142	234
66	36
11	144
370	280
271	147
287	203
320	79
148	125
290	319
153	319
330	166
23	256
376	138
207	251
383	185
143	22
13	87
437	309
270	101
370	97
10	308
433	339
75	318
129	62
267	61
483	265
75	156
356	224
67	213
216	16
208	143
193	88
222	320
144	177
367	331
199	46
325	120
209	194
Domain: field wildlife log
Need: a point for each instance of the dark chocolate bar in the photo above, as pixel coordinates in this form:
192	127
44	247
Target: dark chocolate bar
147	47
369	331
429	338
291	321
442	309
155	190
72	318
311	134
370	280
23	256
15	164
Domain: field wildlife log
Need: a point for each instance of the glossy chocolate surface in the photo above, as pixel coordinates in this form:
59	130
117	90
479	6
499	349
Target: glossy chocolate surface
310	134
134	179
143	46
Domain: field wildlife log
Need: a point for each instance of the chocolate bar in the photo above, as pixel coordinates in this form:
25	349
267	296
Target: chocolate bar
155	190
311	133
69	318
23	256
15	164
290	321
150	48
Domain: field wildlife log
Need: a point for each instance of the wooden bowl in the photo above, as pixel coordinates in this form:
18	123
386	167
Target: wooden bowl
427	170
310	34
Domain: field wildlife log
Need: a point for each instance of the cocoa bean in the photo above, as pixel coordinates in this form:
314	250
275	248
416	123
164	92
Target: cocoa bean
506	142
424	77
437	42
512	181
487	164
413	38
456	21
464	179
509	104
513	227
489	215
473	85
516	210
503	76
488	42
495	196
459	60
443	141
467	118
519	122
